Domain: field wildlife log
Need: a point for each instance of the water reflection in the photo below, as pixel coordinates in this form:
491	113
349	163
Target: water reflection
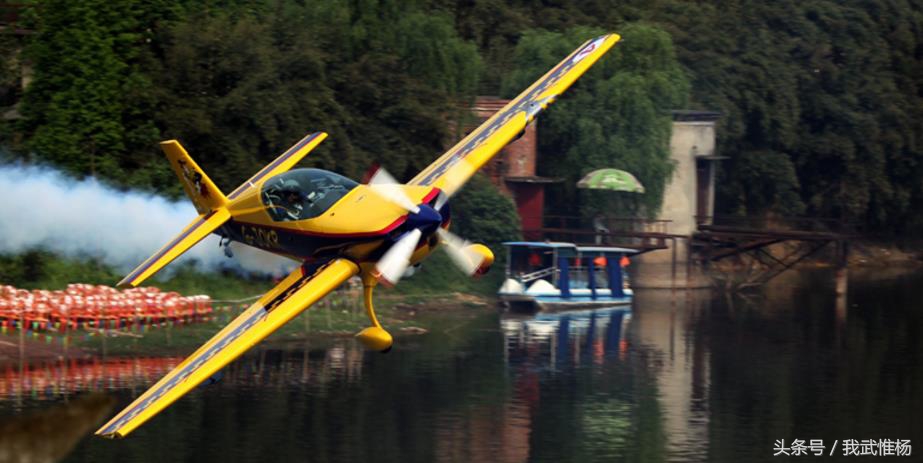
697	378
50	434
565	338
540	349
56	379
52	380
665	328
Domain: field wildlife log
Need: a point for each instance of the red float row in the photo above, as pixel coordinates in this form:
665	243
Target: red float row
97	306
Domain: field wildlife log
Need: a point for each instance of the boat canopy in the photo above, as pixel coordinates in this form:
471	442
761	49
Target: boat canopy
543	245
605	250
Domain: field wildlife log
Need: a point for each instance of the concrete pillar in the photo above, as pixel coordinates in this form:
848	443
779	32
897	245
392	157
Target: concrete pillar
692	145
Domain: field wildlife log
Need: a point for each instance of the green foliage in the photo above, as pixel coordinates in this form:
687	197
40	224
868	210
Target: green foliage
88	107
617	115
10	69
821	99
40	269
240	82
237	98
481	214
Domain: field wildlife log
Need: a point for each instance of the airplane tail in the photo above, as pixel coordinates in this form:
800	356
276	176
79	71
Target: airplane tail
201	190
209	201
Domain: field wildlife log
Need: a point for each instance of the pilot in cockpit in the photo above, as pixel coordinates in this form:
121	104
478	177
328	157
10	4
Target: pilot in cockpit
303	193
292	199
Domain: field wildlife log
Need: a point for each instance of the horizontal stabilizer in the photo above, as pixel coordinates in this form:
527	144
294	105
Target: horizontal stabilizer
192	234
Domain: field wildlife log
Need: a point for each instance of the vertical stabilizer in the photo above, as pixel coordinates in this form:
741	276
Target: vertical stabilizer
201	190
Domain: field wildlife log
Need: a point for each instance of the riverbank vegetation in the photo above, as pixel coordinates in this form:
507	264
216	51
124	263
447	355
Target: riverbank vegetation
44	270
820	100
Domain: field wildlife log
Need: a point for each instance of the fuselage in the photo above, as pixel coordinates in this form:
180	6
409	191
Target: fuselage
312	214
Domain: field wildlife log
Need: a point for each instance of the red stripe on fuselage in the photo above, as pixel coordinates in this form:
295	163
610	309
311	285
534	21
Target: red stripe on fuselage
429	196
383	231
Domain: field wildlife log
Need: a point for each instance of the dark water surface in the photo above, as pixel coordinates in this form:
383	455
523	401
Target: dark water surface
701	378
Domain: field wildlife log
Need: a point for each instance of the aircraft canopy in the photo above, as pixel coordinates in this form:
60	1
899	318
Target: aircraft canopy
303	193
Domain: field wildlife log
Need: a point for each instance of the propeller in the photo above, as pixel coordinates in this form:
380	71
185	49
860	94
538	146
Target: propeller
384	185
466	259
394	262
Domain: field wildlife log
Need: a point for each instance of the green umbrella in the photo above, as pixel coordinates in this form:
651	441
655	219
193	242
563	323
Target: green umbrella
611	179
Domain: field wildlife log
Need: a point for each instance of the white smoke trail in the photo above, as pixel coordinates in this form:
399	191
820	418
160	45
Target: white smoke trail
41	208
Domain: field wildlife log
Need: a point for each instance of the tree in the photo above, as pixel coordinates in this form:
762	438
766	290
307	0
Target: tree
88	107
237	97
240	88
821	102
481	214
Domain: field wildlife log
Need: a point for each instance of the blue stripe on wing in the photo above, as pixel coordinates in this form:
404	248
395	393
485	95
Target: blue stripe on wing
258	313
525	103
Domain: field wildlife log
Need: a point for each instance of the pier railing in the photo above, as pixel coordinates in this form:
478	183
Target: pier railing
631	232
777	228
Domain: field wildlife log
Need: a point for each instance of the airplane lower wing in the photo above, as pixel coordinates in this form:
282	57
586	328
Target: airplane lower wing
294	294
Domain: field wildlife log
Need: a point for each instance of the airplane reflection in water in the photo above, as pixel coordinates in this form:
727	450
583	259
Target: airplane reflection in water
567	337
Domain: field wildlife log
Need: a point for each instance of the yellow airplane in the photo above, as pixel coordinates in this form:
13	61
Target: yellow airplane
337	227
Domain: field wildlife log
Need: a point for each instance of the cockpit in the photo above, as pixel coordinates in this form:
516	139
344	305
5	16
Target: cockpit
303	193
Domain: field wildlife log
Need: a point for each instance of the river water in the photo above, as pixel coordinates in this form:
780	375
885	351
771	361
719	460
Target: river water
685	377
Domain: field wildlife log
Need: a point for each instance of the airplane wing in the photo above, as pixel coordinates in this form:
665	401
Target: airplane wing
289	298
282	163
201	227
450	172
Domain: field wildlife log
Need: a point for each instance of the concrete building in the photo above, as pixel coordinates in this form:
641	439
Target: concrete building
687	201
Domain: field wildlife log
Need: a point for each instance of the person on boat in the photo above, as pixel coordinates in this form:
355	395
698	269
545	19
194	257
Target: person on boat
599	225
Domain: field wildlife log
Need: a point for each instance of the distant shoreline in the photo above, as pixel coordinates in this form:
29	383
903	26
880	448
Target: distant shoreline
402	315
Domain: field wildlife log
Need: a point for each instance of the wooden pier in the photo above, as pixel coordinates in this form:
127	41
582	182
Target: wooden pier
725	237
741	240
